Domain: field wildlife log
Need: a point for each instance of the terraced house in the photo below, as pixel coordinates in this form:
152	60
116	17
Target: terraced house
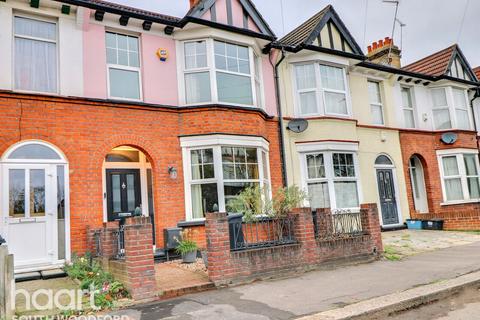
362	128
108	110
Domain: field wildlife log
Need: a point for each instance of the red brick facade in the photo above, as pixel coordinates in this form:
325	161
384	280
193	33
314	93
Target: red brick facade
85	131
425	145
232	267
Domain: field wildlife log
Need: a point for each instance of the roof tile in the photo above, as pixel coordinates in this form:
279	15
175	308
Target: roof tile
433	65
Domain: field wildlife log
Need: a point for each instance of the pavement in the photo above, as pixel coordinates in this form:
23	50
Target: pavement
323	290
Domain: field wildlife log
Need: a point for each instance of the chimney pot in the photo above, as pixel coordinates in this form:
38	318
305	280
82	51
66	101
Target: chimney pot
375	46
193	3
369	49
380	43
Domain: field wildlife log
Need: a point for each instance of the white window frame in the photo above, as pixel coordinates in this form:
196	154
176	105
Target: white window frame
459	154
328	149
319	91
57	49
216	142
211	68
126	68
411	109
466	109
377	104
451	108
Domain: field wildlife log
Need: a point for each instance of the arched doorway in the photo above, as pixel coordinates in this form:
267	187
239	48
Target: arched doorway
417	179
128	184
387	191
35	209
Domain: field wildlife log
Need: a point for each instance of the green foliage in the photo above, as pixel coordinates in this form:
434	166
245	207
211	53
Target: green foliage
187	244
93	277
253	201
390	253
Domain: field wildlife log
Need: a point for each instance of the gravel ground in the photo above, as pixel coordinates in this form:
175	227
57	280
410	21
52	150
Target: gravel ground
197	266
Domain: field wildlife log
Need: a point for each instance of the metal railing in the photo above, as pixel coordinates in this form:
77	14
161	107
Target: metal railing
97	238
119	242
261	233
338	224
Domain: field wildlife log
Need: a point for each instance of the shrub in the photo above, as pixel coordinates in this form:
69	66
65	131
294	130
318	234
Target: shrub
187	243
92	277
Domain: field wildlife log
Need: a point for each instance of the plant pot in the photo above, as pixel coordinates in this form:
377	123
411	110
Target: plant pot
189	257
205	258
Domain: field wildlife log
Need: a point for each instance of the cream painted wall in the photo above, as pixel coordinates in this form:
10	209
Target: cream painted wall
373	141
69	45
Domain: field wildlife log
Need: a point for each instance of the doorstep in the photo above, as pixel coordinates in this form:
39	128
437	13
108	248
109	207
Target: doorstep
40	275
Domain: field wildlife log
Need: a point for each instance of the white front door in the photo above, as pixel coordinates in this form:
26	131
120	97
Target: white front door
417	179
29	214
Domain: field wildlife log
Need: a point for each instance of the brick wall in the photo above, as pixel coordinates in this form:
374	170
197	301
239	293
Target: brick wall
86	131
229	267
425	145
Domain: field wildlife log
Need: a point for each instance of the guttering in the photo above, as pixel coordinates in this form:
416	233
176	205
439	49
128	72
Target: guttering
295	49
475	124
280	119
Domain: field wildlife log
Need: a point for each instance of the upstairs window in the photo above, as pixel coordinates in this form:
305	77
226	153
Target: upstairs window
450	109
123	64
321	89
35	62
221	72
407	106
376	105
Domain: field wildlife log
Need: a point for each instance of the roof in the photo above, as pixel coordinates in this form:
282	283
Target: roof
434	65
304	35
301	34
119	9
476	70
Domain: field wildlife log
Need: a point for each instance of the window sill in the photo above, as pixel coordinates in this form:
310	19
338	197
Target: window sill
192	223
452	203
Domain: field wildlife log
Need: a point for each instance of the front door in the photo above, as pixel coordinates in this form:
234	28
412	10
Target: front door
123	192
29	214
388	202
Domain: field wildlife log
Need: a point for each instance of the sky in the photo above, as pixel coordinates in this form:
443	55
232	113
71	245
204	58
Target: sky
431	25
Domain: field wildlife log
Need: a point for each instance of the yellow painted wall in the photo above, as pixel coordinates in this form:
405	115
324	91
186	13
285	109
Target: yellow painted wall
372	141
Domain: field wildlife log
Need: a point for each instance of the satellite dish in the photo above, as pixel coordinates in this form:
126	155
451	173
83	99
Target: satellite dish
449	137
297	125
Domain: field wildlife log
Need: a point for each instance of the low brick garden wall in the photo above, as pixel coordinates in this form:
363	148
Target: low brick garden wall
309	250
468	219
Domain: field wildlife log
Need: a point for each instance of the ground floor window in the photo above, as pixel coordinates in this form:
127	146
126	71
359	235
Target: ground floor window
332	179
460	174
217	171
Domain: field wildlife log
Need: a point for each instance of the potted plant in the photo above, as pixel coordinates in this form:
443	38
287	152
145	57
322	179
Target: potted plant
187	247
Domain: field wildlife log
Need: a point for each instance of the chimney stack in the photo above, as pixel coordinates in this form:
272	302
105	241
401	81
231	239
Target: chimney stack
378	53
193	3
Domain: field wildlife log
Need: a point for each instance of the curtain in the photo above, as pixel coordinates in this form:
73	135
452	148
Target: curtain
453	189
442	119
35	65
462	119
318	195
197	206
346	194
197	87
336	102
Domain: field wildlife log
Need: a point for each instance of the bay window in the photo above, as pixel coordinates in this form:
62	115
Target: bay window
217	172
376	106
407	106
450	109
35	55
460	175
332	180
221	72
123	66
320	89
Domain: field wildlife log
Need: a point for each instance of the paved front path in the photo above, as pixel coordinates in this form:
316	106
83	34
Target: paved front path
317	291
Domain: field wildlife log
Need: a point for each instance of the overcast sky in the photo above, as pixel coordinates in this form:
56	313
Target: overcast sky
431	25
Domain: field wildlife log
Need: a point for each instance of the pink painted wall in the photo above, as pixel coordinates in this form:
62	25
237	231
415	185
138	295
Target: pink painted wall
252	26
237	14
94	62
269	86
221	11
159	78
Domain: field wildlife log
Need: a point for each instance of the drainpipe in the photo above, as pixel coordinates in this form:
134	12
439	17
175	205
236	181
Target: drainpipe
280	117
475	124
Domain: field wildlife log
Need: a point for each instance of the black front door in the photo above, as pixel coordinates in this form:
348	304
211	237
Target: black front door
123	192
388	202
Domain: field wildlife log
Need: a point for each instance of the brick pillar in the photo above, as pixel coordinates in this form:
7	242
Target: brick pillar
139	259
324	222
371	224
305	234
218	247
